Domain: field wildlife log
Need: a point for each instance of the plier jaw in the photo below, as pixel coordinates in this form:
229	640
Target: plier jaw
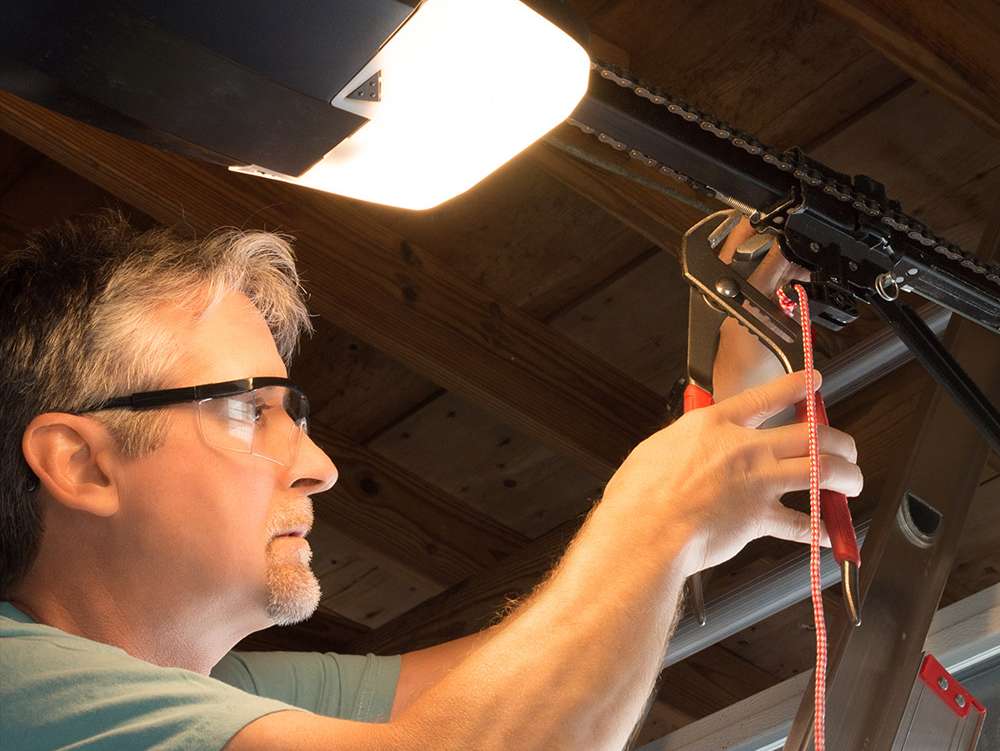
718	291
704	324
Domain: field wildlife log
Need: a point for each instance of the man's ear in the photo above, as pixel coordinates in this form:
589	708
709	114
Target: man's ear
72	457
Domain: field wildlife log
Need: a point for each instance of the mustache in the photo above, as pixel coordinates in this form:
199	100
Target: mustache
297	514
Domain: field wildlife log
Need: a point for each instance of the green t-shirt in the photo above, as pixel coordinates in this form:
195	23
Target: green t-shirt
62	691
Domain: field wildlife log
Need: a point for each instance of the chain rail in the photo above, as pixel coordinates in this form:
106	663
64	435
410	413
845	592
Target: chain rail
788	161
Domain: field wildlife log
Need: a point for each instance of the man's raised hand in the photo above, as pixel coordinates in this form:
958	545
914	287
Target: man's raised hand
712	481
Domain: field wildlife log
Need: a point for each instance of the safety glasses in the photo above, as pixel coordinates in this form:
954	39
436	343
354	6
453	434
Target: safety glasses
263	416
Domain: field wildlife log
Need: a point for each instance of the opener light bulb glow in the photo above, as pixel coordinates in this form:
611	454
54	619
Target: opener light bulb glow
465	86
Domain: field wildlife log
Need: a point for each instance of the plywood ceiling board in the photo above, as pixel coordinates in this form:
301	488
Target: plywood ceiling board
364	586
783	645
473	604
638	323
663	718
942	166
401	514
978	563
783	70
709	681
466	452
352	386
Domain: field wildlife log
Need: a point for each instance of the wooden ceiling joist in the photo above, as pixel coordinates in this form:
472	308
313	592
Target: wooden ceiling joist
374	284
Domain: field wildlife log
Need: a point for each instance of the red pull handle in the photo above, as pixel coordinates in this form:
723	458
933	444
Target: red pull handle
695	397
833	505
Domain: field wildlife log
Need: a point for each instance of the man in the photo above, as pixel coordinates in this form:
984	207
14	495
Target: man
149	525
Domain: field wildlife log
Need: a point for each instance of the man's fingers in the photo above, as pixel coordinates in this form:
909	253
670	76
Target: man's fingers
753	407
771	271
789	524
790	441
835	473
794	272
737	235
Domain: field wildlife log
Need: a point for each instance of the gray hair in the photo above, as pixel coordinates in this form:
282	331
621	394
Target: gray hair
78	325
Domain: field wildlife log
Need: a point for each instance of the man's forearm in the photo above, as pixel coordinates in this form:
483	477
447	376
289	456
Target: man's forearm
573	665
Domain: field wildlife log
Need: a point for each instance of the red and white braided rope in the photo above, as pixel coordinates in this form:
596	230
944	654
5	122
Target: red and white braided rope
816	587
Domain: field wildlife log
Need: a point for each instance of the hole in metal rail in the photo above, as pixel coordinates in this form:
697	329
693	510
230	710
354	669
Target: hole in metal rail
919	520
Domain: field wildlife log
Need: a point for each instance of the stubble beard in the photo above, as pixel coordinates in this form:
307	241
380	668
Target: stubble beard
293	591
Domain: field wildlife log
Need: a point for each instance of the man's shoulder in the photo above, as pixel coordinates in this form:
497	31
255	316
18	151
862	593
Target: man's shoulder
58	689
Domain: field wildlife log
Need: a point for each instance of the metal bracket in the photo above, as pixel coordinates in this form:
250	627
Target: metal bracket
370	90
941	713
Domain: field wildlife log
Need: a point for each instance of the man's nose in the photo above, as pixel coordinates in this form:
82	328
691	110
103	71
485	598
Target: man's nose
314	470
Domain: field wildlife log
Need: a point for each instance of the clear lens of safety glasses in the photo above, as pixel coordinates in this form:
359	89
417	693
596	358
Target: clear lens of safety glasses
267	422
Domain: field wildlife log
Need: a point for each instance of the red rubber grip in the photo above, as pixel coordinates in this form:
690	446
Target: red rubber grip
833	505
695	397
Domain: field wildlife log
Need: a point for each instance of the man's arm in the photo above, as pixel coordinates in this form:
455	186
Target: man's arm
425	667
742	363
572	667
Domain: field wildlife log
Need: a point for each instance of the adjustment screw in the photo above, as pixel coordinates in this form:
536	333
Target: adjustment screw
814	247
960	701
912	272
943	683
852	265
727	287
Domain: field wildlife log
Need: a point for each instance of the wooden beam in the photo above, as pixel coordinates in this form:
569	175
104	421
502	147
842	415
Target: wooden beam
472	605
374	284
15	160
635	195
951	46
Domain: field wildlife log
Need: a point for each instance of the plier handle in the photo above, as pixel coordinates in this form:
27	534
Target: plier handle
718	290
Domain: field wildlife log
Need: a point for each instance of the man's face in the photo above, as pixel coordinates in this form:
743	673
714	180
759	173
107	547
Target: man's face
206	523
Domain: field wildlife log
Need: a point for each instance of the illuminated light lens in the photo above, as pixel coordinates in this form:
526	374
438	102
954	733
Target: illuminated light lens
465	86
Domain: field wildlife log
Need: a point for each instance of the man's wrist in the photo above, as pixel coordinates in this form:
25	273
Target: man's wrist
671	545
